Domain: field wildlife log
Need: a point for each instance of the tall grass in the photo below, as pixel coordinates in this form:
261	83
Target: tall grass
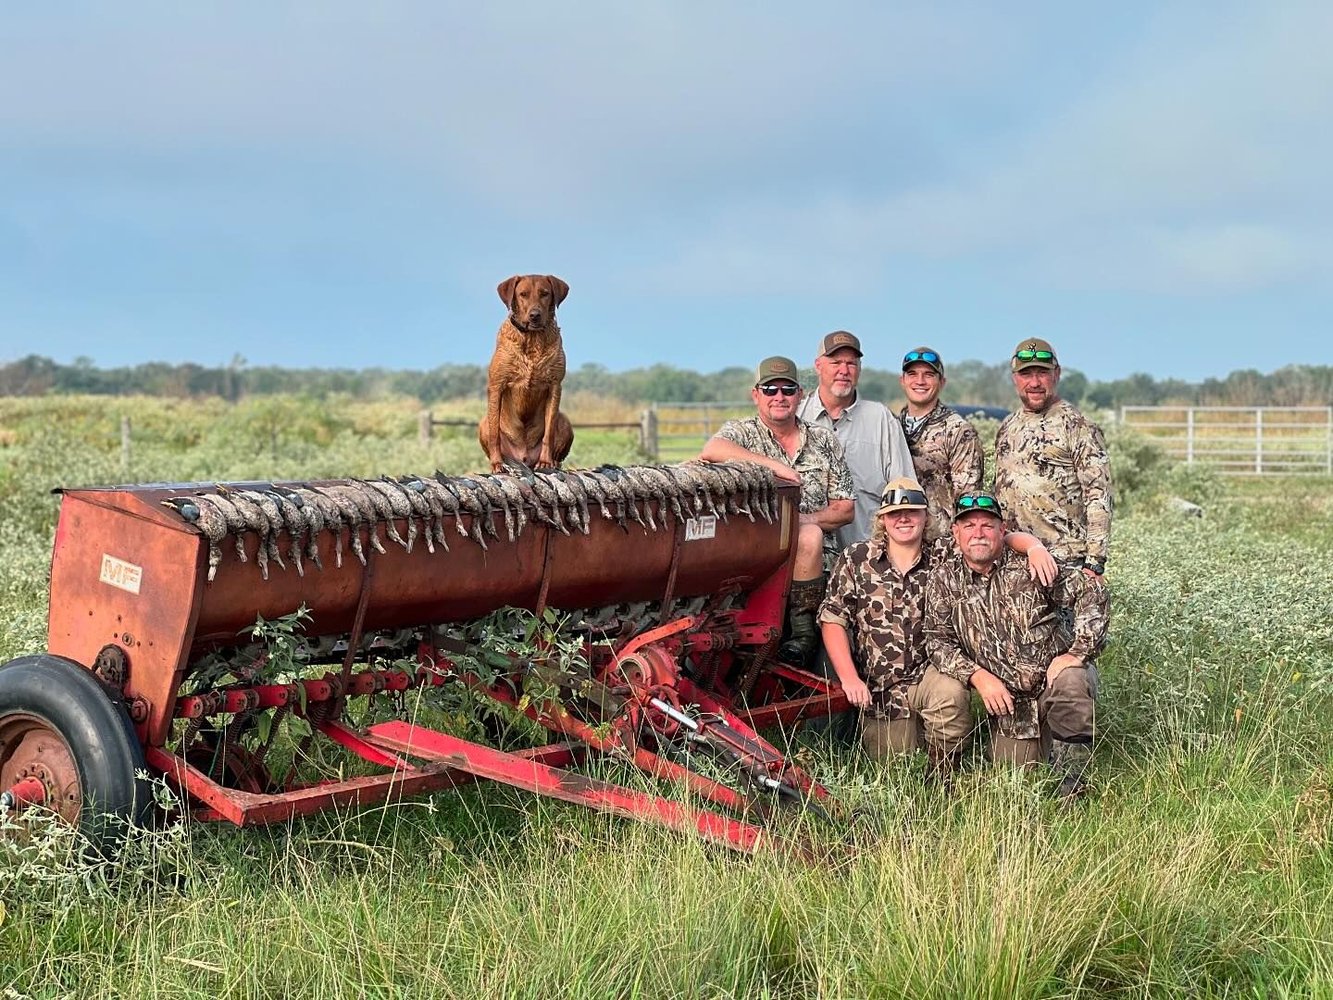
1201	866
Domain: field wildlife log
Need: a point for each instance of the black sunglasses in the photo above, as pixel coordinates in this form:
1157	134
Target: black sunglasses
978	501
929	357
897	497
1034	355
787	389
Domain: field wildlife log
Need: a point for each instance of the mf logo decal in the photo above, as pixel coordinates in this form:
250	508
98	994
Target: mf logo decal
119	573
700	527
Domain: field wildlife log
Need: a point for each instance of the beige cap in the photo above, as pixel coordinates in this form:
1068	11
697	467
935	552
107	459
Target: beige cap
901	494
831	342
1037	353
775	368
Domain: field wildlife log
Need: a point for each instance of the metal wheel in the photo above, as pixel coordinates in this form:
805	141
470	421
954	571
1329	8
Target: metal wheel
66	745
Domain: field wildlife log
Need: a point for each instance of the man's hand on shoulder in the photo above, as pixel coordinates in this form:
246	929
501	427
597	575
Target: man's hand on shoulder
1041	565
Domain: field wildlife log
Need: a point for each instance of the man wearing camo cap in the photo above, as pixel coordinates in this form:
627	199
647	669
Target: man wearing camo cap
872	619
1052	472
872	440
796	452
946	451
990	626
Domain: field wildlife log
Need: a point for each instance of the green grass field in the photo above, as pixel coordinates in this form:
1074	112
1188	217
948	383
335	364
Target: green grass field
1202	865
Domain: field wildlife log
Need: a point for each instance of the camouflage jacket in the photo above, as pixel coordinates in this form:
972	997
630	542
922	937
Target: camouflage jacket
1053	478
1010	625
949	460
883	612
819	460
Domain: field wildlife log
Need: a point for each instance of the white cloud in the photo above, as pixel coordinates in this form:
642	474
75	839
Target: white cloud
1199	165
581	100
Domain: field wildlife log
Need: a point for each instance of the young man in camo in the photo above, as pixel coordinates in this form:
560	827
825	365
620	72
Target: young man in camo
1052	472
990	626
946	451
796	452
872	620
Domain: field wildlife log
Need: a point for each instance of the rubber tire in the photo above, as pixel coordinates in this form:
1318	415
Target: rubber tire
99	734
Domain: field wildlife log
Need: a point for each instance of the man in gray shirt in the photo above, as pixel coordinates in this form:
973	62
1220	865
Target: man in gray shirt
871	435
876	451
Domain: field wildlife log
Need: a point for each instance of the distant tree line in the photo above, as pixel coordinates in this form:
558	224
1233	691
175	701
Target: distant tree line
969	382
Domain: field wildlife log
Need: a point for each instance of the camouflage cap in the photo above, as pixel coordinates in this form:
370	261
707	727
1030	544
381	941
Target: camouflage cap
925	356
1038	354
902	493
777	368
977	502
831	342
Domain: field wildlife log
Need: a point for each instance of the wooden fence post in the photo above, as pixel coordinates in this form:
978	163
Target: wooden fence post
648	433
425	426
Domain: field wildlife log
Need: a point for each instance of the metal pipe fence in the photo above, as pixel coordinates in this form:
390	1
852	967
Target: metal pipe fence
683	428
1241	440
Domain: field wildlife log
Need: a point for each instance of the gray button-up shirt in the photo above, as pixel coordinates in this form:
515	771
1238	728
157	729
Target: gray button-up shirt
876	451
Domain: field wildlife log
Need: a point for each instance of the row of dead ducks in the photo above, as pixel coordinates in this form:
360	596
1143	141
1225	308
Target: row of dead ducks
562	499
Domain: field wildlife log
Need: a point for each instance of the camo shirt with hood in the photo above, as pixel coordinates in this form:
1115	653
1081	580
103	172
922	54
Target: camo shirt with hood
819	460
1053	479
949	460
883	612
1010	625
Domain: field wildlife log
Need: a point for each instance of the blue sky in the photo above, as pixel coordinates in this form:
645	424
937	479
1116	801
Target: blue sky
344	184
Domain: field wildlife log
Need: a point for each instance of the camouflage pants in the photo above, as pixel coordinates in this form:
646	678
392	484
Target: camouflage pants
940	717
1067	711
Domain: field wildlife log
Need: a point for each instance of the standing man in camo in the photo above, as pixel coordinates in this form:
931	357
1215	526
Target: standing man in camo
1052	473
945	448
872	440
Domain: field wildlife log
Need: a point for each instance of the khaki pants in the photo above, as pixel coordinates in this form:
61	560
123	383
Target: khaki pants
1067	711
940	717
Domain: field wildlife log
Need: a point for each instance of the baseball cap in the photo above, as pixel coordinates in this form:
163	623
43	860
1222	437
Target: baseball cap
1034	353
924	355
830	342
982	501
902	493
771	369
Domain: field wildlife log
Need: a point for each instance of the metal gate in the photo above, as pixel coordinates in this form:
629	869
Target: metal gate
683	428
1241	440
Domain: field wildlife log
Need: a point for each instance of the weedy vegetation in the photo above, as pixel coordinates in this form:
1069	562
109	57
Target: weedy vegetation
1202	865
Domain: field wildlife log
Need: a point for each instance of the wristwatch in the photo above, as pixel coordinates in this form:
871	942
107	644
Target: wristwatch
1096	565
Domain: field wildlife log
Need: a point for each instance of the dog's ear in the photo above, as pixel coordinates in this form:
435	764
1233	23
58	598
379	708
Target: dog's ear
506	290
558	288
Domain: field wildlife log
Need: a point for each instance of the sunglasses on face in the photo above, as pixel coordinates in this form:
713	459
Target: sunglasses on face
929	357
903	496
978	501
787	389
1034	355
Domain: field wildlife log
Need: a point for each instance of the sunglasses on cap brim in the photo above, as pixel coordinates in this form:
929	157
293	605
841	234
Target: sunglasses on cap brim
1034	355
977	501
900	497
929	357
787	389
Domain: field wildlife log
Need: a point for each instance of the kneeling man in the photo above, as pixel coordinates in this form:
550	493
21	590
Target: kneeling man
872	623
992	627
